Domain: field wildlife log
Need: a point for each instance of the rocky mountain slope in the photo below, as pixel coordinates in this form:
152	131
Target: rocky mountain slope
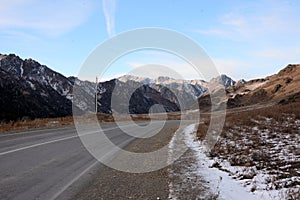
31	90
186	91
132	97
224	80
194	88
25	93
281	88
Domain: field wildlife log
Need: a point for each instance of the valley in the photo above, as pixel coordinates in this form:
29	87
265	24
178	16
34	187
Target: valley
256	154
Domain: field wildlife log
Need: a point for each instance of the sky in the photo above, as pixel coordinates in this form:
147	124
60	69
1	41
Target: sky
244	39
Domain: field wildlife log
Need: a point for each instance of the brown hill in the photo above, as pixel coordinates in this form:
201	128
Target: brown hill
281	88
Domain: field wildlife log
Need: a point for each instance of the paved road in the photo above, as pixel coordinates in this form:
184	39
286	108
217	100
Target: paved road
48	163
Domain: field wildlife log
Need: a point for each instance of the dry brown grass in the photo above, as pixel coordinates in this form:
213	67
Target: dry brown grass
244	121
37	123
293	194
50	122
247	117
64	121
267	138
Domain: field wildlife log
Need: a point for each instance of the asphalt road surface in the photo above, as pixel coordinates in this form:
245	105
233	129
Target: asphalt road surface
50	163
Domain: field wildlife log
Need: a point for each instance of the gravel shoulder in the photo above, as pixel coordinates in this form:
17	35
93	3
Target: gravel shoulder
108	183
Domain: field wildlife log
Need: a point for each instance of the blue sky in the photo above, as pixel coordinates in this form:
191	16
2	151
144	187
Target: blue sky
245	39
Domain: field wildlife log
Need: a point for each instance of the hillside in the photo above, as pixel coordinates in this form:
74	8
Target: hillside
31	90
23	95
280	88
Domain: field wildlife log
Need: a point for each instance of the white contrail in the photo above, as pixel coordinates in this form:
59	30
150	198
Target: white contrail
109	7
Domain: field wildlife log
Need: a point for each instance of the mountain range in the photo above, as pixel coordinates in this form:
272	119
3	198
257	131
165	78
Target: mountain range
31	90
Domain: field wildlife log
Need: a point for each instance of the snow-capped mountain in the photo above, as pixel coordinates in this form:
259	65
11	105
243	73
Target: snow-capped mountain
39	91
139	97
33	72
22	95
193	87
187	91
29	89
223	80
142	80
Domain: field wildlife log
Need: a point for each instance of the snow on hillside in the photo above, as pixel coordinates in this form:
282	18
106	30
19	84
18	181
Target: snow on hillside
193	87
142	80
160	80
255	85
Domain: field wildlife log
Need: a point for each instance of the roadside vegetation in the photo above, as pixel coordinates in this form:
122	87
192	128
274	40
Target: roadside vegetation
36	123
261	149
24	124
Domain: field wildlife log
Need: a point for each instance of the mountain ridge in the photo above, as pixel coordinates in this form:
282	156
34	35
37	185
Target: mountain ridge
50	94
32	90
280	88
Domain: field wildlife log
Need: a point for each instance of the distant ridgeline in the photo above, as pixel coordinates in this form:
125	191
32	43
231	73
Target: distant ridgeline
31	90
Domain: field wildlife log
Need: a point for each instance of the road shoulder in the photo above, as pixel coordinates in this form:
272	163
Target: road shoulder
112	184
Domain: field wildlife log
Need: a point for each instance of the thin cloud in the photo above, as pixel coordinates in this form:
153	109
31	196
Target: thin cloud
291	54
109	9
213	31
268	29
255	21
229	67
18	35
46	17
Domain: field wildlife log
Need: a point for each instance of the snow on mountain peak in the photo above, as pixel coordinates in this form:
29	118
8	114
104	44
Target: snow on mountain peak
224	80
128	77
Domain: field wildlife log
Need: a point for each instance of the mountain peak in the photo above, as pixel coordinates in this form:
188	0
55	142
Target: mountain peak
129	77
163	79
223	80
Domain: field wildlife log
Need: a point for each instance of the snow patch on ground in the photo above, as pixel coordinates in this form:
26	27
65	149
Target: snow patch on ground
255	85
263	158
185	181
192	111
212	181
218	180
